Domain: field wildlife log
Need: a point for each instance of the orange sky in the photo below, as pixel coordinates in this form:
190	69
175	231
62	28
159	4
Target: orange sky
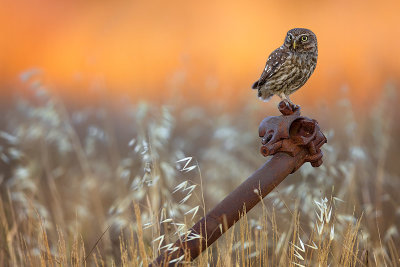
209	47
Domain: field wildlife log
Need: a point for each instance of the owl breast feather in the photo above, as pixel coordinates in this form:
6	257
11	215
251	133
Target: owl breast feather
292	75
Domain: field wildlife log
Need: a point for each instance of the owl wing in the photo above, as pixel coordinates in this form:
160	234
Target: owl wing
274	63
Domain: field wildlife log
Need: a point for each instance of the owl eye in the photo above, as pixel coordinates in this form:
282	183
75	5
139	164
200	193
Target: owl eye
304	38
289	37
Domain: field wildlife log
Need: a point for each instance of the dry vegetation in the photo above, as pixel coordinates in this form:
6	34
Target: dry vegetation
144	174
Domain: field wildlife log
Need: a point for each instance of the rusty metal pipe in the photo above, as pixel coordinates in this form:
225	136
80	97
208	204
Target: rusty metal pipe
247	195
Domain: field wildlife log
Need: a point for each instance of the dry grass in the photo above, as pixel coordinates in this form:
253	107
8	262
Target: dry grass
144	174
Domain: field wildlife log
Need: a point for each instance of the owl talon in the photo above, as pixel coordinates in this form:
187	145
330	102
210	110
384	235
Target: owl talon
287	108
289	103
294	107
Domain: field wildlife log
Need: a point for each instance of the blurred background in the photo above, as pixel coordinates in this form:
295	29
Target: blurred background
101	100
216	49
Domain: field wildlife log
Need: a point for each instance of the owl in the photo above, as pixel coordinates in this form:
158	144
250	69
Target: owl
289	67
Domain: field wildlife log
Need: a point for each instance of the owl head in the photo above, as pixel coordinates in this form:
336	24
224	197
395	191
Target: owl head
301	40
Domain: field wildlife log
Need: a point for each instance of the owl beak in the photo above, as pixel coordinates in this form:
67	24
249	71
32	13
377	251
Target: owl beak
294	44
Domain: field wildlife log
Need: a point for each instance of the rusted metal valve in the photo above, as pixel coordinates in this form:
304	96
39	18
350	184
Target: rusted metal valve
291	133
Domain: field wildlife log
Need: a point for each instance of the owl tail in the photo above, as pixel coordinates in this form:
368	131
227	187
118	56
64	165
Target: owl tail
255	85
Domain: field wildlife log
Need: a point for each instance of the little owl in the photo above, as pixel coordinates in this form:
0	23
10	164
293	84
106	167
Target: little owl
289	67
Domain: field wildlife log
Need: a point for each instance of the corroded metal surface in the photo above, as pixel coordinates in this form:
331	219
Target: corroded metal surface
292	140
290	133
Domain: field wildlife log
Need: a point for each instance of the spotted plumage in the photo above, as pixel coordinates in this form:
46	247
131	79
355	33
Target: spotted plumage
289	67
